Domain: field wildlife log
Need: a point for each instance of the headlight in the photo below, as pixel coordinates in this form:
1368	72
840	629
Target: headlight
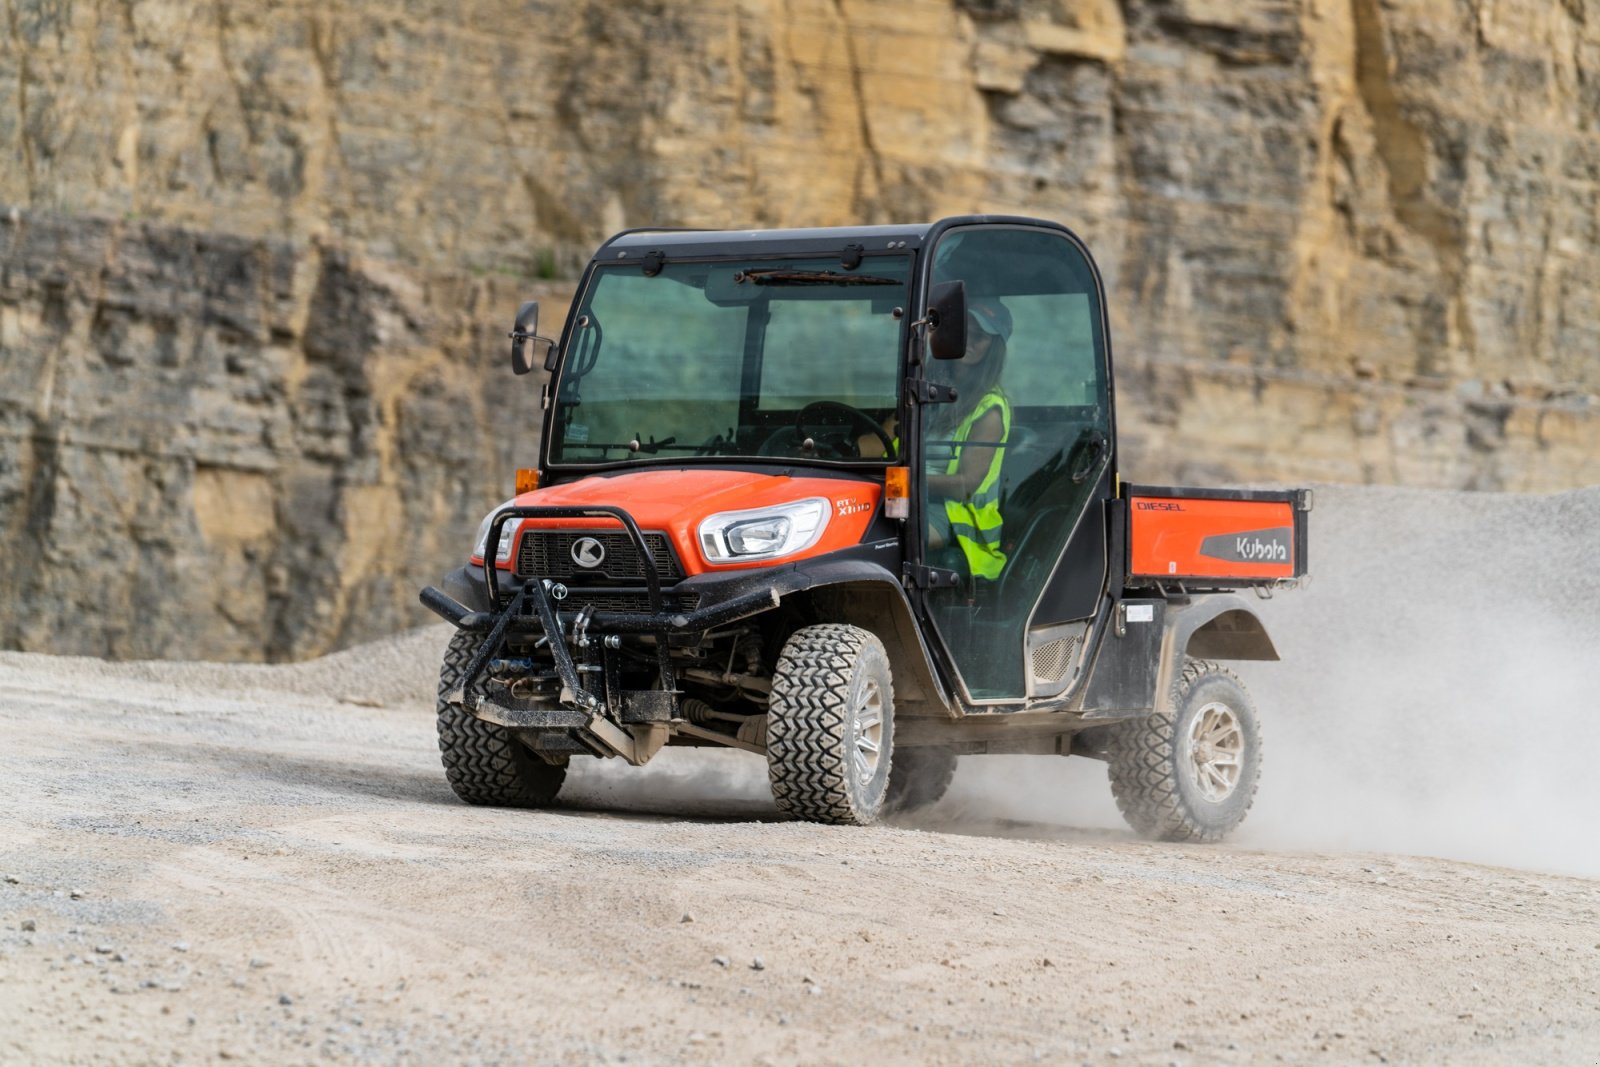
764	533
508	534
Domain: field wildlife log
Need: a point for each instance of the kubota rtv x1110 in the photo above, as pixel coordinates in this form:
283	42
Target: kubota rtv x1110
849	498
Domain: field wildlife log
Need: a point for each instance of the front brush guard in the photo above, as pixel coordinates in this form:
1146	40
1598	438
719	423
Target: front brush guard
514	618
537	592
515	615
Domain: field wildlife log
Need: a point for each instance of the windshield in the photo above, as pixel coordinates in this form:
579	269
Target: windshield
780	358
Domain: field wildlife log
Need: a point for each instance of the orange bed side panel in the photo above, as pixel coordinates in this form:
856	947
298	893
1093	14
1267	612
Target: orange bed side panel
1189	537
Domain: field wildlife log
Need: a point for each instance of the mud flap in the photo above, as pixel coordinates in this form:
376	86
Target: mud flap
1127	668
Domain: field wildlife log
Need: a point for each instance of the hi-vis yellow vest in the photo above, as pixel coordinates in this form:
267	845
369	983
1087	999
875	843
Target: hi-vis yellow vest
975	522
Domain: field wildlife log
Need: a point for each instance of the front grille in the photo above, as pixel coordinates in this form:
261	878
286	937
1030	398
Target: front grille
548	554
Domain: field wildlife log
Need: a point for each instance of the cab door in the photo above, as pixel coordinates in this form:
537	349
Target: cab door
1016	471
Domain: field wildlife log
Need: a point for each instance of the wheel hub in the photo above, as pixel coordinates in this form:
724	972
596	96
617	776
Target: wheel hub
868	732
1216	751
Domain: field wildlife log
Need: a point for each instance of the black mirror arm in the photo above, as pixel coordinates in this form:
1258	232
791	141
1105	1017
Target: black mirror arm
520	363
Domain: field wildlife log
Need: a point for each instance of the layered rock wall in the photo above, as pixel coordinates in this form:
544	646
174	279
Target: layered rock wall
225	447
256	260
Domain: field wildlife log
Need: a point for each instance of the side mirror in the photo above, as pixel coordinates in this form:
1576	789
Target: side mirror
525	329
947	320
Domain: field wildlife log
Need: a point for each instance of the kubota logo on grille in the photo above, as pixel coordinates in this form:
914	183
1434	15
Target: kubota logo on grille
588	552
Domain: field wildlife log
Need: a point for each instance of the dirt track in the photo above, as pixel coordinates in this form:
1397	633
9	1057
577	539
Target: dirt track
218	862
269	865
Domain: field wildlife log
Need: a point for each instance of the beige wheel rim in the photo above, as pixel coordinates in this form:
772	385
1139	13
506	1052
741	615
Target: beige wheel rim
1216	751
868	732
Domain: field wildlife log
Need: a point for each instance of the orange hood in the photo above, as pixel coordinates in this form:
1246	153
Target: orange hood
675	501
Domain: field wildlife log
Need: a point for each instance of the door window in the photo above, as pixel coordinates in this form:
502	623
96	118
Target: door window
1012	466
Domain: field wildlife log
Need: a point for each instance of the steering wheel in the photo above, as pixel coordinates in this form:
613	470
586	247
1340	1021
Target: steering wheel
713	446
857	418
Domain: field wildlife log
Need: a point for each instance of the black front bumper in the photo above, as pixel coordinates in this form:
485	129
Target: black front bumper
482	599
721	602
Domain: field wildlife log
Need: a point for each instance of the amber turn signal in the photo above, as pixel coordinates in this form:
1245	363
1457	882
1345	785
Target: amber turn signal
897	492
527	480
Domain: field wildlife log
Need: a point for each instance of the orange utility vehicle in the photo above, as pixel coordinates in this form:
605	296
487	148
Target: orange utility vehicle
849	499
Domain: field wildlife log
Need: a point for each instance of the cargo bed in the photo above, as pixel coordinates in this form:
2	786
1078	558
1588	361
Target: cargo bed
1214	538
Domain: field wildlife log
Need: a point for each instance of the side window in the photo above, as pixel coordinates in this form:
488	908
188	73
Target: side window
1066	323
1011	466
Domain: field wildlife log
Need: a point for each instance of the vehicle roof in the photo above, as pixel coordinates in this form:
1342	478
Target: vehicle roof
709	242
631	244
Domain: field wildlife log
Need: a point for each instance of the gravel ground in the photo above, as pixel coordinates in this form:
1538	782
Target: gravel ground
204	862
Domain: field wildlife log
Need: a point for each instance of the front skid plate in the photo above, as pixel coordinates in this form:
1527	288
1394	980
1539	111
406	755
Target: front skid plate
532	718
639	706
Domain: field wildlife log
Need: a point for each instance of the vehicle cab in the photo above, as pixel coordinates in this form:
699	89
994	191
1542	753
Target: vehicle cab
889	443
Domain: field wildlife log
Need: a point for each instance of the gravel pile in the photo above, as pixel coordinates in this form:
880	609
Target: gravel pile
401	671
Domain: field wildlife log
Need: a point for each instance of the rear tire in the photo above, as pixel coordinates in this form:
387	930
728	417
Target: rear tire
484	762
830	726
919	777
1189	772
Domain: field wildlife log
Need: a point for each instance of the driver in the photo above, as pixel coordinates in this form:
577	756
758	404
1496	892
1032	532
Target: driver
968	481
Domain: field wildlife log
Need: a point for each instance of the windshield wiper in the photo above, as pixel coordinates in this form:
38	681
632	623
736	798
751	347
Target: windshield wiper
811	277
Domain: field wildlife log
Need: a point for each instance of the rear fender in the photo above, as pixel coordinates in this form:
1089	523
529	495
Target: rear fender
1217	626
1223	631
1145	641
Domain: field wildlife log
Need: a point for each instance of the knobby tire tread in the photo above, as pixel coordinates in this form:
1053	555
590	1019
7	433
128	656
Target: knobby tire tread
484	763
1144	772
808	724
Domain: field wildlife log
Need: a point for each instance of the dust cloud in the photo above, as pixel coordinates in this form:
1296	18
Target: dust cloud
1436	694
678	782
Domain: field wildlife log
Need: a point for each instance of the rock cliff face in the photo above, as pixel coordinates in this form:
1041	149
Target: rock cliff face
217	446
256	260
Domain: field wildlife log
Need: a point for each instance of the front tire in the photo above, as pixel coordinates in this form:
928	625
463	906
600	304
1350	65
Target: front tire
1189	771
484	762
830	726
